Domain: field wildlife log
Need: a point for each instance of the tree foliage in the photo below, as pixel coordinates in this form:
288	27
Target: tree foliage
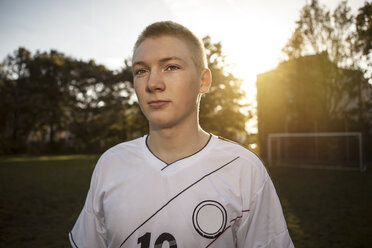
318	30
59	102
220	111
364	38
16	102
364	28
49	88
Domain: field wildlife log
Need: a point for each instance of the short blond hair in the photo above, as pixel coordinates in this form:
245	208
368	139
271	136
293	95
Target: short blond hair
170	28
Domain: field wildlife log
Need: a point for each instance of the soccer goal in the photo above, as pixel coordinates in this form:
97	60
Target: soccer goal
330	150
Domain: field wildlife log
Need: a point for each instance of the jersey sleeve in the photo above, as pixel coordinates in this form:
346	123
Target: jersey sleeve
89	229
265	226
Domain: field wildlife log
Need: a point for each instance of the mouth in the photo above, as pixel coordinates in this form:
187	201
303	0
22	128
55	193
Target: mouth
157	104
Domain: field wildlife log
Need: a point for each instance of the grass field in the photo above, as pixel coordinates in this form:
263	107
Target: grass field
41	197
326	208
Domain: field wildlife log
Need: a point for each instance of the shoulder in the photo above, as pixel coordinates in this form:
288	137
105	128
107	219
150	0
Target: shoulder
252	174
115	165
248	160
121	152
124	147
233	147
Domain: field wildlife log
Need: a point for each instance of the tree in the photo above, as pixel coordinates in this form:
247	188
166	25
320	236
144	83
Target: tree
49	88
220	110
47	97
364	38
97	98
364	28
317	30
15	101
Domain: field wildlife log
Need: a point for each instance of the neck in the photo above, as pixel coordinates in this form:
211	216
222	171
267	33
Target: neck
171	144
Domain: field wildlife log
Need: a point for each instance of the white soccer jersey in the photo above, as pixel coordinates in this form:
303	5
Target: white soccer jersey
219	197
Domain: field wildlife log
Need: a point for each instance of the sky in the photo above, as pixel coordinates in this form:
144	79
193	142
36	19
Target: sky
252	32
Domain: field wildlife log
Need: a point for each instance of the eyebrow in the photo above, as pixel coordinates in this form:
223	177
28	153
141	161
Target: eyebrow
171	58
163	60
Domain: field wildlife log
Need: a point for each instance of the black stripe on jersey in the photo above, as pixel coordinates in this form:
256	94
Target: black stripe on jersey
188	187
72	239
210	136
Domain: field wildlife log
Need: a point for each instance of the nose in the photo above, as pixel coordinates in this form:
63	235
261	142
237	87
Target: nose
155	82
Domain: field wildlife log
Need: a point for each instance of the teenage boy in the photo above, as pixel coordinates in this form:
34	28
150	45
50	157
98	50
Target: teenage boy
179	186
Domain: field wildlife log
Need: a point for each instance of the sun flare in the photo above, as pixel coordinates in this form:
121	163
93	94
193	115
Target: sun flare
249	58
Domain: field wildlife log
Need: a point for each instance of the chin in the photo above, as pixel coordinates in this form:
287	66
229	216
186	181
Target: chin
161	123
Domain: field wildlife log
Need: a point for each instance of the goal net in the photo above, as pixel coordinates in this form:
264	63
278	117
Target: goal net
316	150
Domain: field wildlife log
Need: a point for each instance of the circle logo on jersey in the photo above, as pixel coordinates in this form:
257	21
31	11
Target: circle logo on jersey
209	219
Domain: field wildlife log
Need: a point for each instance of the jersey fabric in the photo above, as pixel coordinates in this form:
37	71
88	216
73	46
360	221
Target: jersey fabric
221	197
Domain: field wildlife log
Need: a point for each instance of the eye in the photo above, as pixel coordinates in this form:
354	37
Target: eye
172	67
139	72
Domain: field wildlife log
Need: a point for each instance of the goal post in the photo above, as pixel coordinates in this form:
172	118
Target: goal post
278	149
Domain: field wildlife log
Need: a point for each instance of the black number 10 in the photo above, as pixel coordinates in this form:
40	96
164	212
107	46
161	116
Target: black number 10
145	240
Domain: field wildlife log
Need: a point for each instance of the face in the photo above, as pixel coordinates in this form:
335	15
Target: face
167	83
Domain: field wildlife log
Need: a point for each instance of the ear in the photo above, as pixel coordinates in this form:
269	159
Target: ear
206	81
